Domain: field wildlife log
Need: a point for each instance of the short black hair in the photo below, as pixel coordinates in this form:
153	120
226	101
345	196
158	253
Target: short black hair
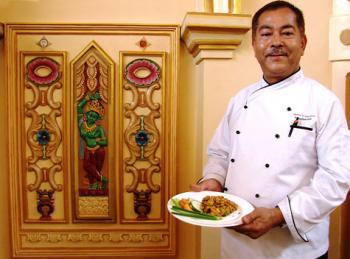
278	5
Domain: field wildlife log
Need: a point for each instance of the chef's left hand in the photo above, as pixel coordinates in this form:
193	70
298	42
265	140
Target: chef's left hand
260	221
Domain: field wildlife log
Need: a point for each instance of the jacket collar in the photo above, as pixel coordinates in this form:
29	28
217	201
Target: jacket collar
291	78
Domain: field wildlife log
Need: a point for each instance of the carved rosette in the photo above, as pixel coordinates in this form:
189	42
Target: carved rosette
142	132
43	78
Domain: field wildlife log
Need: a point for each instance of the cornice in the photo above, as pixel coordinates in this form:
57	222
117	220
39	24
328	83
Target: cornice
214	31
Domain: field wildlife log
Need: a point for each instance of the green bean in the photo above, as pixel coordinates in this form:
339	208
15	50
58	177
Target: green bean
194	214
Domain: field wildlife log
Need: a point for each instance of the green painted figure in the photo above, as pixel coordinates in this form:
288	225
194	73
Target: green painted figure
90	111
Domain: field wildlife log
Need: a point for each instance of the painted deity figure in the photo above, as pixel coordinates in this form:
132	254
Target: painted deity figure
90	111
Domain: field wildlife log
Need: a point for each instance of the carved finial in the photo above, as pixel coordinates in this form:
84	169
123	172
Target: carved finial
45	203
43	43
143	43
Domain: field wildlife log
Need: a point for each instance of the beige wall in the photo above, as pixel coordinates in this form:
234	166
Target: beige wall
99	11
203	102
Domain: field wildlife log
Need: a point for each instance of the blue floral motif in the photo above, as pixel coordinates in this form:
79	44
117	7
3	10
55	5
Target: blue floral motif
43	137
141	138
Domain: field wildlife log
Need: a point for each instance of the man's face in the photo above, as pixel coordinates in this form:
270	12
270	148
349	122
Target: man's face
278	44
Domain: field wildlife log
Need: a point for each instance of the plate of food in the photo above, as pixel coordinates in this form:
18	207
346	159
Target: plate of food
209	209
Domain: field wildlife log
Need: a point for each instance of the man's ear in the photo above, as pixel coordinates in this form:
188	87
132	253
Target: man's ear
253	38
303	42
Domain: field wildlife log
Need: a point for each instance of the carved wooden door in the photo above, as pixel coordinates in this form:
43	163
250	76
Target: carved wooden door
92	123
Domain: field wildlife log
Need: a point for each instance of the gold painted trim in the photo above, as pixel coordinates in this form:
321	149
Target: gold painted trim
209	28
231	6
236	6
194	45
208	6
92	28
198	48
210	15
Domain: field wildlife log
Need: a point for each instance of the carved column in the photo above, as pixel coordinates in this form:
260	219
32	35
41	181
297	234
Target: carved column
211	40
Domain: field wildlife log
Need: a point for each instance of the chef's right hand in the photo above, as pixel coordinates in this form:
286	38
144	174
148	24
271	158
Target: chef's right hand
207	185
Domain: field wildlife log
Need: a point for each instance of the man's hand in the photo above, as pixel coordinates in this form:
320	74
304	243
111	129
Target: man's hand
207	185
260	221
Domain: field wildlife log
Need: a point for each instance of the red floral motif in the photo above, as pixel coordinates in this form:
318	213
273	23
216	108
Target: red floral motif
143	43
46	63
142	64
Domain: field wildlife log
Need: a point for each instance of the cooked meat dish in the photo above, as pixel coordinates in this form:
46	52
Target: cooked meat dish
218	206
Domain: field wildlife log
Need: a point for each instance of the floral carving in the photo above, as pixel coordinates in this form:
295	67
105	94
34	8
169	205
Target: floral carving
150	75
50	66
43	133
143	131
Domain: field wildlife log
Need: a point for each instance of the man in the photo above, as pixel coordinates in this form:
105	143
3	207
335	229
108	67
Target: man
283	145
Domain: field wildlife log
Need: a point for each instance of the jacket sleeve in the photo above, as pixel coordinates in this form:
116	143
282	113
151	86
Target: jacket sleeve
311	204
219	150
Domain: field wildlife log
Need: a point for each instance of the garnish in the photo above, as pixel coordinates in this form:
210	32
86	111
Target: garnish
186	207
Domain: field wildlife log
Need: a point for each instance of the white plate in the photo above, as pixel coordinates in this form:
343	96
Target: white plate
234	219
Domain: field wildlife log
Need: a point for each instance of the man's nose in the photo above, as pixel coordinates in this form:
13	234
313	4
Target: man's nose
276	40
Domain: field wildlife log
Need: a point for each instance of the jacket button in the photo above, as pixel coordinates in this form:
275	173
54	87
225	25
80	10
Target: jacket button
267	165
245	107
289	109
277	136
238	132
232	160
257	195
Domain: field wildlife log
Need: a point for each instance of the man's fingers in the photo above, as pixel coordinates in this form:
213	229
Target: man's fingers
249	218
206	185
196	187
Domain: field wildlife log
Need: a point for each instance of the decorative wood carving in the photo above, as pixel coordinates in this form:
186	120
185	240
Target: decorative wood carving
143	78
43	77
93	238
123	210
93	77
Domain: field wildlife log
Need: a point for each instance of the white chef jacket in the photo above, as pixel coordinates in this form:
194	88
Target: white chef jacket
287	145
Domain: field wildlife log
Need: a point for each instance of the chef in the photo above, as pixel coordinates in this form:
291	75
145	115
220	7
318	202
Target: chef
284	146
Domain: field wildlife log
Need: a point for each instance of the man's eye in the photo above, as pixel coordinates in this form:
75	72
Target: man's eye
265	34
287	33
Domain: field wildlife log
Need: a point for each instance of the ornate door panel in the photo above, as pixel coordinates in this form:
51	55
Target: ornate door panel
92	123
